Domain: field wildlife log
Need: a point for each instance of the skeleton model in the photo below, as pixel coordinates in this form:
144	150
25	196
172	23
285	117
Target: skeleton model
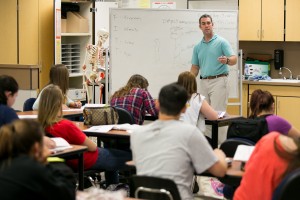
92	74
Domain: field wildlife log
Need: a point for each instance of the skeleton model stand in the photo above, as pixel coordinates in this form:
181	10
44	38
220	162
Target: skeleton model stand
92	74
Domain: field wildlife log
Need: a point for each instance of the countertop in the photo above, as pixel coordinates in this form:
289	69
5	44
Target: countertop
271	83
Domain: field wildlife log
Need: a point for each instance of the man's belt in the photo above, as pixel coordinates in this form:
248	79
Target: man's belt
213	77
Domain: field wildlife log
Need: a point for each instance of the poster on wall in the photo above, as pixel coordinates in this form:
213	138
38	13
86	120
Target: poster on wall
164	5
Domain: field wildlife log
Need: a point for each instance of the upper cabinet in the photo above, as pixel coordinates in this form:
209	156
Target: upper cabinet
261	20
292	20
27	34
8	39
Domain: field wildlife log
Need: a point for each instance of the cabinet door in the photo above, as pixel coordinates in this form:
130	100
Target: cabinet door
292	17
249	20
272	20
28	32
245	100
8	39
289	109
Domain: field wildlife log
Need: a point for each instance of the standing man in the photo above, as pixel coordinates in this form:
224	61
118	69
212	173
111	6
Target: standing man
213	55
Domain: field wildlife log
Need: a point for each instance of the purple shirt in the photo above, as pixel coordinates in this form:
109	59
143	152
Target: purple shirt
137	102
276	123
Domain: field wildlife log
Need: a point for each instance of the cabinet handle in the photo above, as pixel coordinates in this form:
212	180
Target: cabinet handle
278	105
262	33
258	34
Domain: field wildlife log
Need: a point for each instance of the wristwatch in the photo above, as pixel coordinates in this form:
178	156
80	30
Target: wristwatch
227	61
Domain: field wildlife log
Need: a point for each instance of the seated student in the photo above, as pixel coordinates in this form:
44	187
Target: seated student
274	156
197	107
8	94
135	98
24	171
262	103
59	75
172	149
50	117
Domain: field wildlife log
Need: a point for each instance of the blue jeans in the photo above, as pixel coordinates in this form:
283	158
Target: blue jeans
111	160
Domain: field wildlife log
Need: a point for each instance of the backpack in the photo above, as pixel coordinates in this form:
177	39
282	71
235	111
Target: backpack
249	128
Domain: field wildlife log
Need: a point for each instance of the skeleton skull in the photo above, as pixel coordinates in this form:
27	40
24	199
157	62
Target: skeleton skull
102	37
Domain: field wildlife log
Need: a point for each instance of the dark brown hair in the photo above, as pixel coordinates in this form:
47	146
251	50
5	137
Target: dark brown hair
260	101
135	81
7	83
18	138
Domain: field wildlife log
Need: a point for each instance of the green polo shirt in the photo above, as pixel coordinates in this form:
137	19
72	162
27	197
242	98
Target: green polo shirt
206	55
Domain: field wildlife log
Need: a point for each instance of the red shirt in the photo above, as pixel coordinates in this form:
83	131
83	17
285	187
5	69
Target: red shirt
263	170
72	134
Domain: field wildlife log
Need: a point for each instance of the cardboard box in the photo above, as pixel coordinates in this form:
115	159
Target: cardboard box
63	25
76	23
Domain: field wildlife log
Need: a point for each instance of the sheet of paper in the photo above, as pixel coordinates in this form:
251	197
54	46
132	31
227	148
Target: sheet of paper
27	116
243	152
100	129
126	127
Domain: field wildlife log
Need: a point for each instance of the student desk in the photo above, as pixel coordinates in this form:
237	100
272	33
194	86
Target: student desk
234	173
66	113
105	136
215	127
77	152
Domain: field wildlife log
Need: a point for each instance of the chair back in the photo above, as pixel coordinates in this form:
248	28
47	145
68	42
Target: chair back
288	187
148	187
124	116
229	146
27	106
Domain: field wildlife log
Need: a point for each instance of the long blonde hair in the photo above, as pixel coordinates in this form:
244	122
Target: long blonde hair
50	105
135	81
18	138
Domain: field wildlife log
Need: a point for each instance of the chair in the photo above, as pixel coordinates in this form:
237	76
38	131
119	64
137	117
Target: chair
288	187
27	106
230	145
124	116
148	187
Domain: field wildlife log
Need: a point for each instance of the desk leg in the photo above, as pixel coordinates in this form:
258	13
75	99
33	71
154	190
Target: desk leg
80	172
214	135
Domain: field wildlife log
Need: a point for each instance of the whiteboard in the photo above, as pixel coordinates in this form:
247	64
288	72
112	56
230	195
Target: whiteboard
158	44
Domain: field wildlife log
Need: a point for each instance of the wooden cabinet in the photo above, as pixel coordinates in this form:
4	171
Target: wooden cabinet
8	38
287	101
27	34
289	109
261	20
292	20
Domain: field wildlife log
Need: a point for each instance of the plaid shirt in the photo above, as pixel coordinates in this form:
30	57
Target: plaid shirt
138	101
